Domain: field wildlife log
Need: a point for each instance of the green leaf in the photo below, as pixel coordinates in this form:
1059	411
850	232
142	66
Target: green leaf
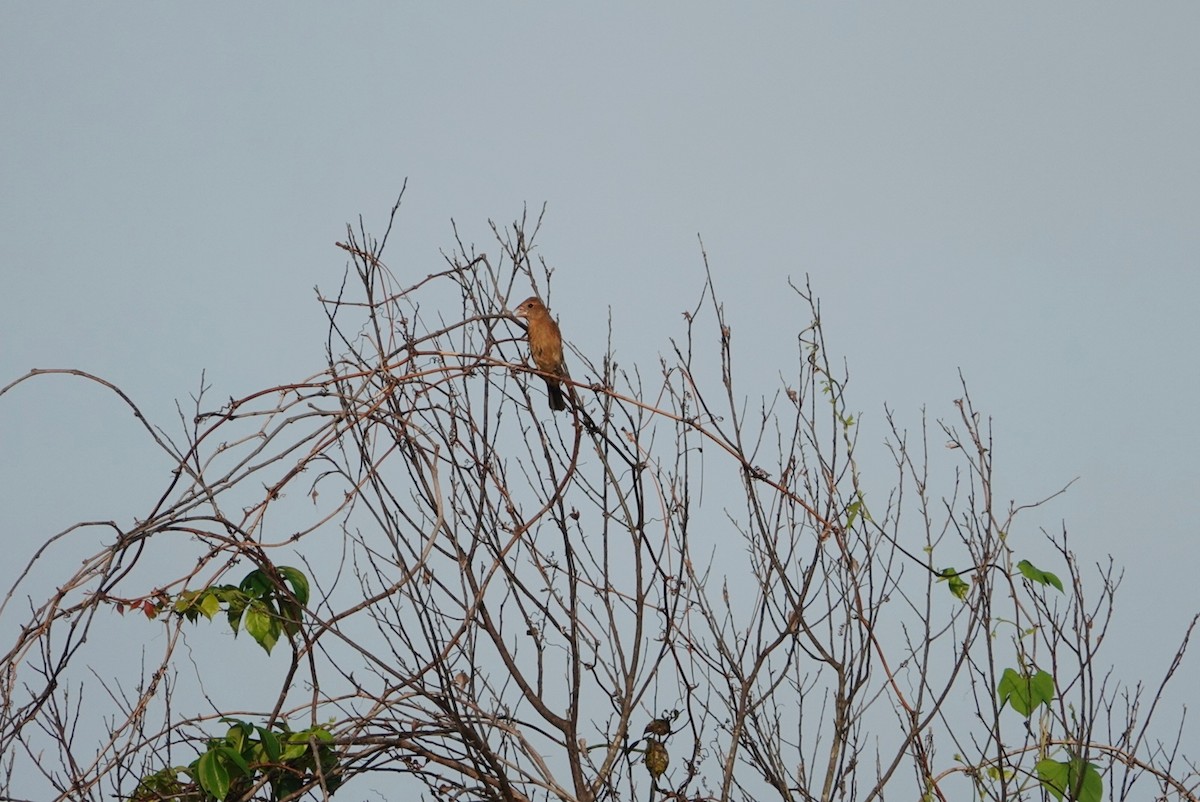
236	736
1041	686
183	601
1053	776
209	605
1080	780
237	606
256	584
290	614
297	746
298	582
958	586
262	625
270	744
213	775
321	734
162	784
994	773
235	757
1034	574
852	513
1025	693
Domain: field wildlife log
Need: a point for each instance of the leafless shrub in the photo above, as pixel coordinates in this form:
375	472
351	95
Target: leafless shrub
474	598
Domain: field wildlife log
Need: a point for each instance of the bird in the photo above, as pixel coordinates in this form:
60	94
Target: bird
545	345
659	727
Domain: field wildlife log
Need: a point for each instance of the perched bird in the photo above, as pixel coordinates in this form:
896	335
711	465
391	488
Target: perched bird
659	727
545	345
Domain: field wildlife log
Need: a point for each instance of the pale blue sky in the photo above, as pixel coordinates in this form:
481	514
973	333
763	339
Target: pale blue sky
1013	190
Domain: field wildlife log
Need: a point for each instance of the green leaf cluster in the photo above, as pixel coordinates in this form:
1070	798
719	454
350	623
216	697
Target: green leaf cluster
1034	574
247	757
1025	692
265	607
1074	779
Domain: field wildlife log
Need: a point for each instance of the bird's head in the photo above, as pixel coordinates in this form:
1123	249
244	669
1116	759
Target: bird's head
531	307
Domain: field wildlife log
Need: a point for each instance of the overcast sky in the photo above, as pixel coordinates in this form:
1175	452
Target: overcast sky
1012	190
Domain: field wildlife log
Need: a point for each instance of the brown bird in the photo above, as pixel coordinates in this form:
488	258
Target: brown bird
659	728
545	345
